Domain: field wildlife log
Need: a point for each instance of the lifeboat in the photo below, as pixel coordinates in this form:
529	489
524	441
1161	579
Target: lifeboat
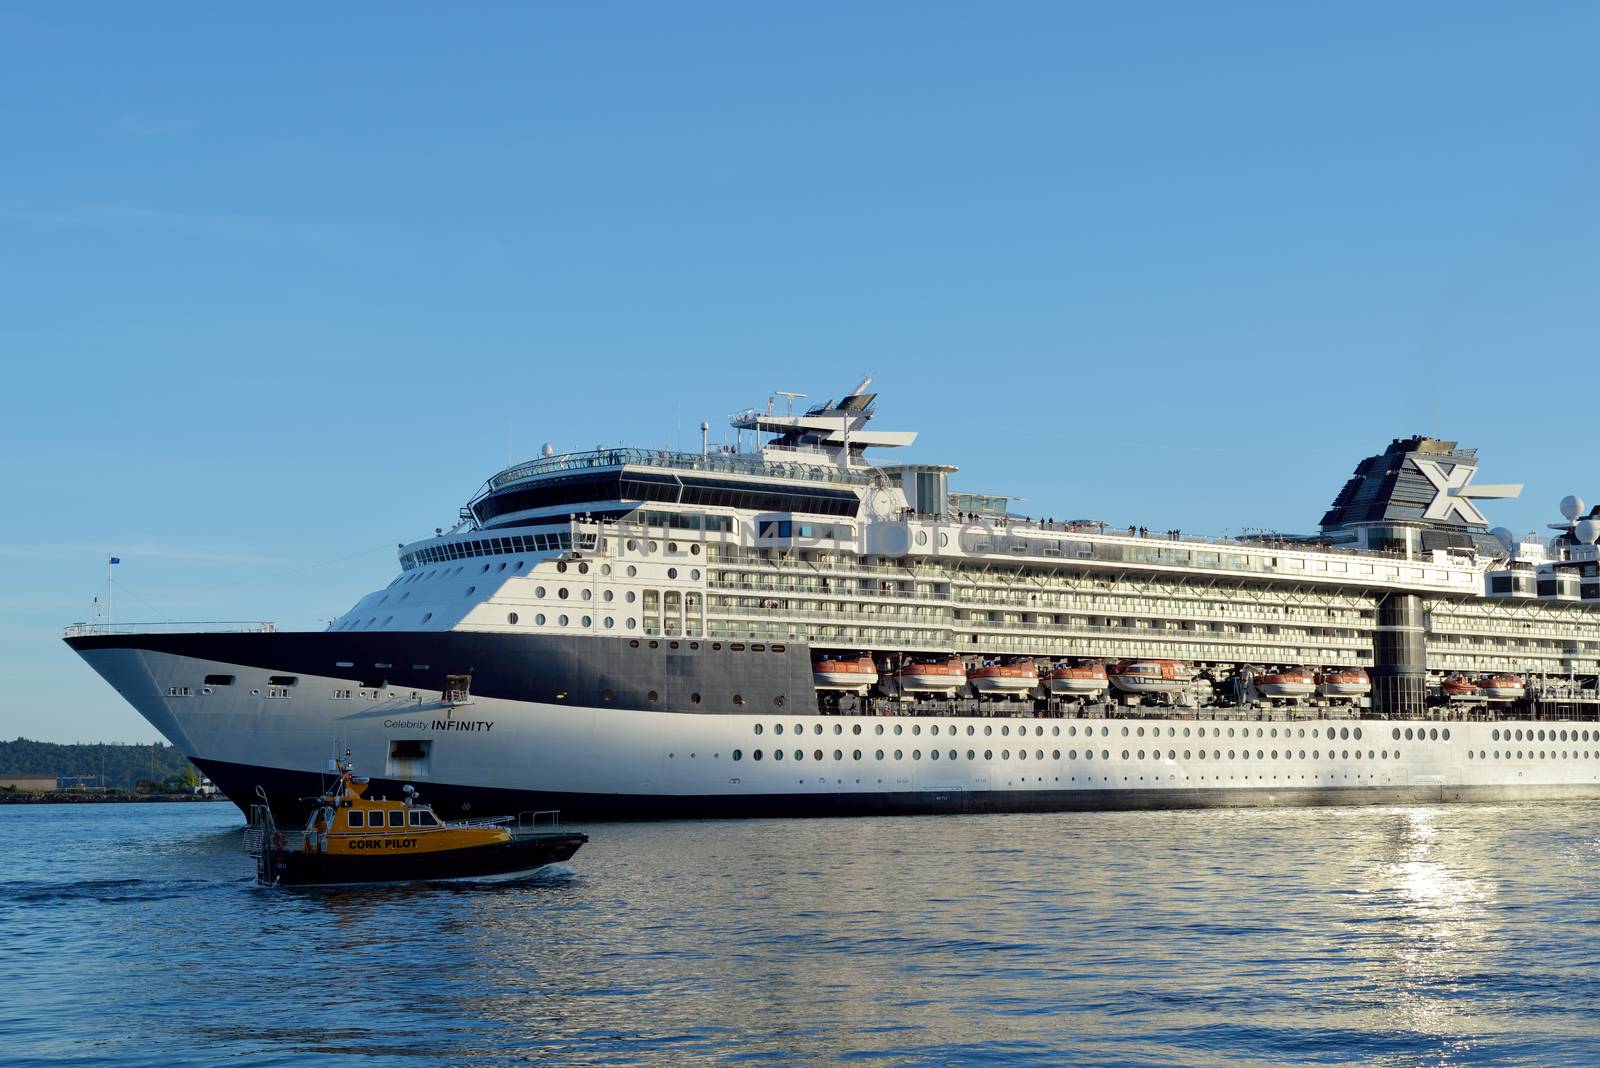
1150	676
938	676
1015	679
1293	683
1351	682
1502	687
842	673
1459	689
1085	679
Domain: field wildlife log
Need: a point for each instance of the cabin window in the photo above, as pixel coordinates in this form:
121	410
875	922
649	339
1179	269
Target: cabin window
358	818
282	680
397	818
219	680
416	818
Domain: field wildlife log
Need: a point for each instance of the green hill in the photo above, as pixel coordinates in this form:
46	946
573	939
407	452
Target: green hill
116	766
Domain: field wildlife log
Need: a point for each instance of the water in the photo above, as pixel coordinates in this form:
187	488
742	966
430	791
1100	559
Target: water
1434	935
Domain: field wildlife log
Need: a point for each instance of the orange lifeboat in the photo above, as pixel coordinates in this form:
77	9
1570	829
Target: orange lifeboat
1503	687
1294	684
841	673
1015	679
1150	676
1085	679
938	676
1344	682
1459	689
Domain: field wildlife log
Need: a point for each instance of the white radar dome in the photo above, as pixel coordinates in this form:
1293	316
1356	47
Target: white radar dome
1506	539
1572	507
1587	530
547	449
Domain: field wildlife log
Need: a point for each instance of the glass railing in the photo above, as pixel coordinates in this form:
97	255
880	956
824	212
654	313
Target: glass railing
720	462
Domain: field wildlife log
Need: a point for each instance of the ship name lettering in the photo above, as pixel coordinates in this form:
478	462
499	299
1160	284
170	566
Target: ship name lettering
484	725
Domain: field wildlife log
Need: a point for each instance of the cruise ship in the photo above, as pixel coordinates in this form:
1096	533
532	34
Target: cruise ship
791	624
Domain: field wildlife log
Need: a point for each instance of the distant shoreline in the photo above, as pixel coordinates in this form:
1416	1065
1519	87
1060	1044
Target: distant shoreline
65	797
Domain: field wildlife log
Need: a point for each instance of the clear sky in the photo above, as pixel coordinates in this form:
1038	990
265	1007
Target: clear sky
280	287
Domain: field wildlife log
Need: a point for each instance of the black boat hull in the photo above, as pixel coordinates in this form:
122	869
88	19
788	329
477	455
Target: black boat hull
522	854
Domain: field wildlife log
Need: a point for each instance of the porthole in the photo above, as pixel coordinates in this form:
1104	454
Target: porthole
1433	735
588	594
605	569
583	569
778	701
1408	734
672	572
756	754
539	619
588	621
694	698
606	695
652	696
610	622
471	590
838	754
562	593
631	622
561	695
538	591
630	596
607	595
561	566
1396	734
922	537
632	571
738	754
427	616
633	544
511	617
562	620
652	547
695	574
1445	734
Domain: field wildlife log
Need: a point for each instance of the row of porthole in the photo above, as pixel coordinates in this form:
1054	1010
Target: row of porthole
651	546
1507	736
561	621
1423	734
1072	731
1088	754
1542	754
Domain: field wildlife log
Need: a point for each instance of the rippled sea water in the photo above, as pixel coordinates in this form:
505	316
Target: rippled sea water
1394	936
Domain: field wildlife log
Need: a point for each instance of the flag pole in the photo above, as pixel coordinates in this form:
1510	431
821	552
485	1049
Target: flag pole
109	558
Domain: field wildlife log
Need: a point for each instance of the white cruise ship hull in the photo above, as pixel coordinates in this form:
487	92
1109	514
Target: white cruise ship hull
504	754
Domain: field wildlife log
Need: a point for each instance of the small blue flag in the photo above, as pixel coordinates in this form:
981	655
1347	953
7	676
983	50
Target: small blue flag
116	559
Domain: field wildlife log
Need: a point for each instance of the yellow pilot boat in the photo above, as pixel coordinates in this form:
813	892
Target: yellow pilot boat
351	838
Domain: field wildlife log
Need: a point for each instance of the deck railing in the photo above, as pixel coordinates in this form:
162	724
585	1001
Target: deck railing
83	630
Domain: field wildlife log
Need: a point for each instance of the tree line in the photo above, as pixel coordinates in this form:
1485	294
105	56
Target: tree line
100	763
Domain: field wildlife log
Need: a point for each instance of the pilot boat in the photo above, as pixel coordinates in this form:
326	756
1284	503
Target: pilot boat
350	838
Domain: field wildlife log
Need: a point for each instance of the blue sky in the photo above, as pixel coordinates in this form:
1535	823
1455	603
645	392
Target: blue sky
279	287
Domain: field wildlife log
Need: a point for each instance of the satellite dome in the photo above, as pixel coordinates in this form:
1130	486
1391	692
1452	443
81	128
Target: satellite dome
1587	530
1506	539
547	449
1572	507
